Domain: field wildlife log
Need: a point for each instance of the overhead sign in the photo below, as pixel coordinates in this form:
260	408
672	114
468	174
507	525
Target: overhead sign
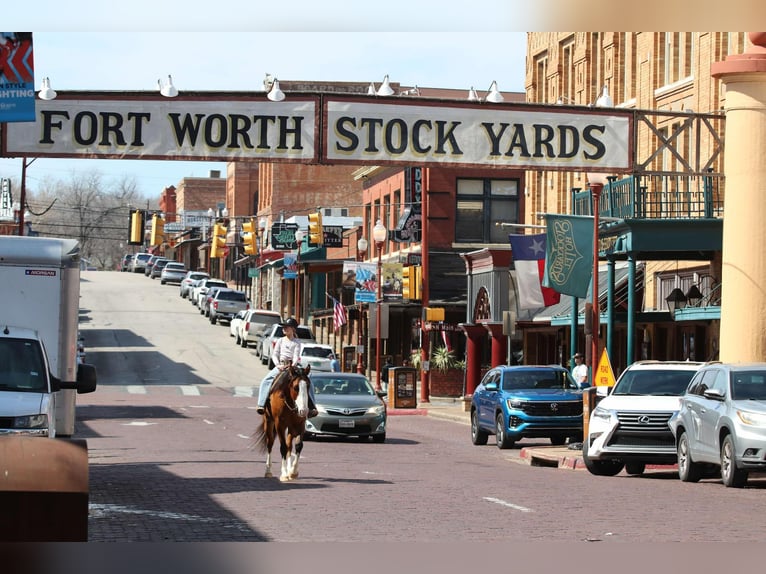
283	236
333	235
153	127
510	137
353	130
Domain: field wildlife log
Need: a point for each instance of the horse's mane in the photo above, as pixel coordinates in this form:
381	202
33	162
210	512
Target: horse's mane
287	376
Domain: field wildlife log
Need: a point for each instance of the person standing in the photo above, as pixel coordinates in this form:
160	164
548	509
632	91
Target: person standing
580	371
287	352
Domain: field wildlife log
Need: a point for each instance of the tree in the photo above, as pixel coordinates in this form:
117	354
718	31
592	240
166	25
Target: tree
88	209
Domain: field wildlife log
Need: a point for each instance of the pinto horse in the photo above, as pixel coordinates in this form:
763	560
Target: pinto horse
285	417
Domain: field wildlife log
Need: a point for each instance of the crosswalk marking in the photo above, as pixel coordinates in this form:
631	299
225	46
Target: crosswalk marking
190	390
243	391
137	389
186	390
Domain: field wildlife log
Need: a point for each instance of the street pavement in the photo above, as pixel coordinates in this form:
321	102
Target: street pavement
454	410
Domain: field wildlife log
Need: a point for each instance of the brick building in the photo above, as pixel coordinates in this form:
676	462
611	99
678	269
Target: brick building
665	77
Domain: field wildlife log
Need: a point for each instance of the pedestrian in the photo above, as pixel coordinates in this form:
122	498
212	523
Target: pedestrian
580	371
287	351
384	372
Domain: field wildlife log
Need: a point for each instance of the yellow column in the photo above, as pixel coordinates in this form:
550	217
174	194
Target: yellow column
743	301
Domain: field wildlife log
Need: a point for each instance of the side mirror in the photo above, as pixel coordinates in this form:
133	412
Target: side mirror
55	384
713	394
491	386
86	379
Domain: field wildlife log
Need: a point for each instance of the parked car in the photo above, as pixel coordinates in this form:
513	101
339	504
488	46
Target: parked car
630	427
157	268
225	304
234	324
138	264
150	264
187	282
205	298
722	422
515	402
173	272
348	406
200	291
127	259
320	357
303	332
256	322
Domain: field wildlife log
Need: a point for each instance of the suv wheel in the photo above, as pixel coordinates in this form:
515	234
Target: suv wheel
730	474
688	470
212	319
635	468
503	441
600	467
558	440
478	436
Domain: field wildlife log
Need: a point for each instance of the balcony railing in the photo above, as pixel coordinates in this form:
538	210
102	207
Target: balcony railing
655	197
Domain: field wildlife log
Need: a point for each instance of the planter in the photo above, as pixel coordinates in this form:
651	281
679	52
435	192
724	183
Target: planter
448	383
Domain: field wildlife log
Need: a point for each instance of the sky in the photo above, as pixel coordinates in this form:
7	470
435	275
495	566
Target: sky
95	45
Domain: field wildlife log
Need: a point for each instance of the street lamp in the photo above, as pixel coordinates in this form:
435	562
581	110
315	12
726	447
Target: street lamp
379	234
261	235
299	234
361	250
596	183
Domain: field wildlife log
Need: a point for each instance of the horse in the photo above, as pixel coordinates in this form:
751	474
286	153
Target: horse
285	416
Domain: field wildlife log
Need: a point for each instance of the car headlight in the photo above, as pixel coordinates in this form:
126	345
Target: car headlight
515	404
31	422
603	414
376	410
750	418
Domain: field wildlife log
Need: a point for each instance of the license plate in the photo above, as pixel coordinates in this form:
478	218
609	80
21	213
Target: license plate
346	424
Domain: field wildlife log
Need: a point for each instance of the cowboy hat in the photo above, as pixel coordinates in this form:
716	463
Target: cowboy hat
290	323
577	356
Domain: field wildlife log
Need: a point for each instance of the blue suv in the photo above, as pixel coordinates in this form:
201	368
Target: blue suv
515	402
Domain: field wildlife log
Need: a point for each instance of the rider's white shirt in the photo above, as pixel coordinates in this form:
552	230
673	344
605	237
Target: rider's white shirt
286	350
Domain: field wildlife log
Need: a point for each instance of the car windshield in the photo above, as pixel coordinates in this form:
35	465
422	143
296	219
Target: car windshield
23	366
342	386
656	382
231	296
537	379
320	352
175	267
748	385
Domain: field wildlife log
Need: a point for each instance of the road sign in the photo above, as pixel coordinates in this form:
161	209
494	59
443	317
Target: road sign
604	376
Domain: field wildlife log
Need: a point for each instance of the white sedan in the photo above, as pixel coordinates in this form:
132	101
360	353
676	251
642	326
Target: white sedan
319	357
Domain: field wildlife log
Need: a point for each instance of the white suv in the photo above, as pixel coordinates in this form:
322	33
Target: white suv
629	428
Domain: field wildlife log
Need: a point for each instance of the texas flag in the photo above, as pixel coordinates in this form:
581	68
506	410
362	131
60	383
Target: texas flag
529	259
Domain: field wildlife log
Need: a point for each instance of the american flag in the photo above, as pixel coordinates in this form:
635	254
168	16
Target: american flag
338	312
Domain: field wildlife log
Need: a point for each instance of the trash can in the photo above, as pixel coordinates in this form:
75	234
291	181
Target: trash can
402	384
43	489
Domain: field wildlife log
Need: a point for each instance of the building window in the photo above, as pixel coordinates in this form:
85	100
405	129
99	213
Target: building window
481	203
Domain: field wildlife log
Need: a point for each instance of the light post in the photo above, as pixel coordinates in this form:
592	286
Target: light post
261	235
299	234
596	183
361	250
379	234
210	216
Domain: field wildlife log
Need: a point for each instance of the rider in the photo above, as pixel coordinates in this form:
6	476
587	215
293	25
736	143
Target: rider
287	351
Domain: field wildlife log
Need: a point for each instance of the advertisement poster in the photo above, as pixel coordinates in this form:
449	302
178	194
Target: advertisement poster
291	266
392	281
362	278
17	77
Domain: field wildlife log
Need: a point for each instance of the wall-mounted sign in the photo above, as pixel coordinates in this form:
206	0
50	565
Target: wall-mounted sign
283	236
333	235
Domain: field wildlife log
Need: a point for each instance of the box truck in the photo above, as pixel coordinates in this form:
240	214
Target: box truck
40	374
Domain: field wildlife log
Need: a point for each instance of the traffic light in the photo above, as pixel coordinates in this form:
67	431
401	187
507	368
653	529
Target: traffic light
250	237
158	230
417	282
218	240
431	314
407	277
316	231
136	227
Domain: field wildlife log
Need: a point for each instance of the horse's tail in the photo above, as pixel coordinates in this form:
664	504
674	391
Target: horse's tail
258	438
